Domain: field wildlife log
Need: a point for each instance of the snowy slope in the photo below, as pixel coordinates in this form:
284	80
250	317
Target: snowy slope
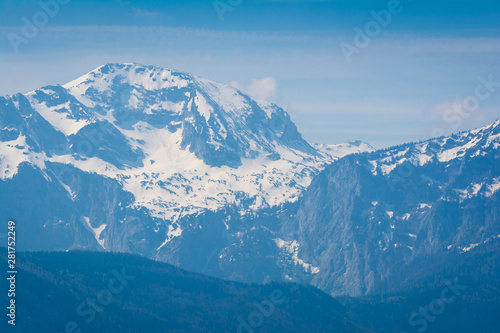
179	143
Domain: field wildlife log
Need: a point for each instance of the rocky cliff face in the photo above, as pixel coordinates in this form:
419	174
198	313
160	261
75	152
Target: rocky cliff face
366	216
140	159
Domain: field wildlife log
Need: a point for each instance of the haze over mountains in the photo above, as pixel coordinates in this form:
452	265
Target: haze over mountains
141	159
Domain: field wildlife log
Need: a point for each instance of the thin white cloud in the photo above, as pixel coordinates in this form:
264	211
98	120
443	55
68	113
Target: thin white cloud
265	88
389	43
136	11
168	31
451	116
413	44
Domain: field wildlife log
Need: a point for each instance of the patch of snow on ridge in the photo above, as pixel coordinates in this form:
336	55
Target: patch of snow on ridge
473	245
386	169
447	155
336	151
442	150
15	152
470	247
480	189
59	120
96	231
493	187
292	247
173	231
69	190
203	107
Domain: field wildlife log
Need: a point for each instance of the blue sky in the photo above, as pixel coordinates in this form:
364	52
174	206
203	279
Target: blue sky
417	76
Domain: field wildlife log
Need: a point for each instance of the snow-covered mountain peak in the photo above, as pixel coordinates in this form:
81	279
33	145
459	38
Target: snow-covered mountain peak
153	80
177	142
219	124
147	77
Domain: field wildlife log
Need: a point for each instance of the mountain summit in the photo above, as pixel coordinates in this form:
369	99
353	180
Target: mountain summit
217	123
169	144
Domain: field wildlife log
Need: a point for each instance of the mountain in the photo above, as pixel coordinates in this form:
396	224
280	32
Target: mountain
183	170
368	220
367	223
124	157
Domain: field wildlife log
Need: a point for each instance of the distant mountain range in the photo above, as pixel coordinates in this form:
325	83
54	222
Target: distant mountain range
150	161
